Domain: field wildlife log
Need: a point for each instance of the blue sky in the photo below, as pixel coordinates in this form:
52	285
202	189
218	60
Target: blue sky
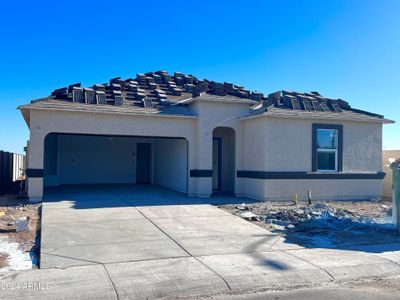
345	49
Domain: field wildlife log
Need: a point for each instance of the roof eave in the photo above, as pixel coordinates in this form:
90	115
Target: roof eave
305	115
130	113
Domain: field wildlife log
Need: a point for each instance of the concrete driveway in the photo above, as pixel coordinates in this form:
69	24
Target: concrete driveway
117	244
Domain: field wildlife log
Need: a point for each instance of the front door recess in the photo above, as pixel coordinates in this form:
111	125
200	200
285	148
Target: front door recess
143	163
217	160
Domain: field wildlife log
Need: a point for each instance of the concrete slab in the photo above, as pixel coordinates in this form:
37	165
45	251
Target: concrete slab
181	211
346	264
87	202
284	244
56	261
259	270
213	245
208	226
116	252
183	250
57	215
88	282
169	278
57	235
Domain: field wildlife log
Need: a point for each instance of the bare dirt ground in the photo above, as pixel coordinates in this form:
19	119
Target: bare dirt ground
13	208
3	259
323	223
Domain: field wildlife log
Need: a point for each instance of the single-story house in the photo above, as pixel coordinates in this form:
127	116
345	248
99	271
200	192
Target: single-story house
201	137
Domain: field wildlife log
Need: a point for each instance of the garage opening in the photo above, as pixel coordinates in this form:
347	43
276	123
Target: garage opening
97	159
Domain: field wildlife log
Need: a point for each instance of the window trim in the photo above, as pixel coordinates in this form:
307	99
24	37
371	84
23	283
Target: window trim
339	150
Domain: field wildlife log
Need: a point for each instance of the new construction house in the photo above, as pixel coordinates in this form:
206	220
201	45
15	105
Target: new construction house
201	137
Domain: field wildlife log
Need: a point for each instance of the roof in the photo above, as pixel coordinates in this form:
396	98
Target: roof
159	93
310	105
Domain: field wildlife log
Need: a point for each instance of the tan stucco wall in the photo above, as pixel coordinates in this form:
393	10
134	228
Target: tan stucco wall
261	144
283	144
213	115
197	131
289	145
43	123
387	182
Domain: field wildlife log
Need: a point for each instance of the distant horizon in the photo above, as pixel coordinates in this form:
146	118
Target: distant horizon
346	49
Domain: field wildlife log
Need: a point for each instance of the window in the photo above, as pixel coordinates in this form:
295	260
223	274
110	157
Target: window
327	148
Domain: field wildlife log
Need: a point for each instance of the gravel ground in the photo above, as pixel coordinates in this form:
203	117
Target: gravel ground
13	208
323	223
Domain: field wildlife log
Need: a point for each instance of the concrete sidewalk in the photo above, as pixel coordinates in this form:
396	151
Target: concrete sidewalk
203	275
107	248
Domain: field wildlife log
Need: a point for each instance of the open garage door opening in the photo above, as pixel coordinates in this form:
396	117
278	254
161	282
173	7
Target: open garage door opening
71	159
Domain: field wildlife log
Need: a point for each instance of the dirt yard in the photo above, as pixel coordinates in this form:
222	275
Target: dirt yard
323	223
16	248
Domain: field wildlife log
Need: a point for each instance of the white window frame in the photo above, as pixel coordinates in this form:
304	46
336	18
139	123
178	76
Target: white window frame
328	150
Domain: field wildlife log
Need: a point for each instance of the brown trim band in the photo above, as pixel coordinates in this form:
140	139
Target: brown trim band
34	173
308	175
201	173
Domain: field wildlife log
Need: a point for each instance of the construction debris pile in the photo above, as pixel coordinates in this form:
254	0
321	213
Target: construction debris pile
333	223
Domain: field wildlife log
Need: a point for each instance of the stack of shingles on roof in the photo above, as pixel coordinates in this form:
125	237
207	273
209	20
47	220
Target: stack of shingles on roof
307	101
152	89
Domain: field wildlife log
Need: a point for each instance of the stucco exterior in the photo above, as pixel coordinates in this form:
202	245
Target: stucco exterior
269	144
285	145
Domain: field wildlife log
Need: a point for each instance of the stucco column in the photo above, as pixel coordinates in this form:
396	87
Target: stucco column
239	158
35	165
204	161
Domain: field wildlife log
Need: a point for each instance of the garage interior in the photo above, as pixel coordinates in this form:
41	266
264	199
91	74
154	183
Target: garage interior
71	159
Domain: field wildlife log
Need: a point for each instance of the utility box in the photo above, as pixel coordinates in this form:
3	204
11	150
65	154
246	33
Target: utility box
395	166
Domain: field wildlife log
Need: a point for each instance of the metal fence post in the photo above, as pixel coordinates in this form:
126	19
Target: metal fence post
396	193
